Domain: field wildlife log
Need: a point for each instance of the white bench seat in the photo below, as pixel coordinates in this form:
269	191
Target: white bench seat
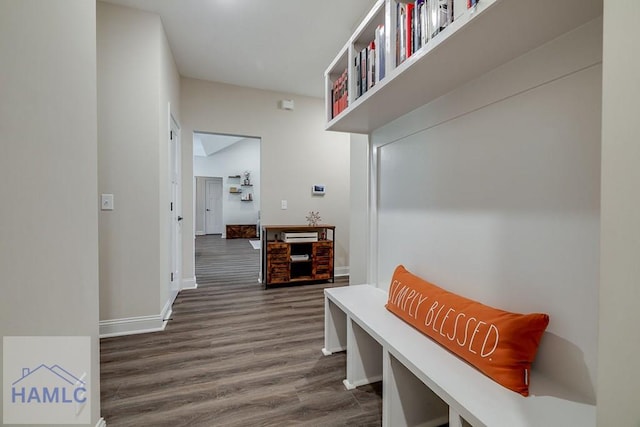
423	383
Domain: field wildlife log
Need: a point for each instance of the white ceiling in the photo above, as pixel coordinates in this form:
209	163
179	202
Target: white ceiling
206	144
279	45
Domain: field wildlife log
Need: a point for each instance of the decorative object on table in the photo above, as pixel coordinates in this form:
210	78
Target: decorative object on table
247	177
313	218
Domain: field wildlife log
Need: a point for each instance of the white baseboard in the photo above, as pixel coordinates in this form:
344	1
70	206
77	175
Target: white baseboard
131	326
101	423
189	283
137	325
341	271
167	310
200	233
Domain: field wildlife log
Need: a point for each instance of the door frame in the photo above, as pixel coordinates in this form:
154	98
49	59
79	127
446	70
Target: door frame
175	208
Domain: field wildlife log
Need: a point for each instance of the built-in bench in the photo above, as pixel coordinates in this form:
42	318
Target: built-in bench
426	385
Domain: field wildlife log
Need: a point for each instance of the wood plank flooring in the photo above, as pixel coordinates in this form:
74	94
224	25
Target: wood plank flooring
226	261
234	355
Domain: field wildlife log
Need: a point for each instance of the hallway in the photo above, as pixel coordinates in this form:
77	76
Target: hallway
234	354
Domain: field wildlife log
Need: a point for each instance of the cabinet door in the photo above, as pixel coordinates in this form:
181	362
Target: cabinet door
322	260
277	262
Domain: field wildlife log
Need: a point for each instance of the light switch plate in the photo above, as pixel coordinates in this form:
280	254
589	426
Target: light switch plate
283	204
106	202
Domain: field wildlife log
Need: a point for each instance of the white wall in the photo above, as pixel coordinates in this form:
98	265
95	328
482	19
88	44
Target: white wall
493	192
359	210
48	173
137	79
296	153
619	345
231	161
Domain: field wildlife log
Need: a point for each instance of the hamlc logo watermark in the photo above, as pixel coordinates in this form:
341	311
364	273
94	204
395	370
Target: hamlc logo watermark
46	380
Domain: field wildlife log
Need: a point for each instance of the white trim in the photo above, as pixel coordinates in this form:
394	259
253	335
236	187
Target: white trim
372	261
326	352
368	380
341	271
101	423
167	310
200	233
189	283
132	325
137	325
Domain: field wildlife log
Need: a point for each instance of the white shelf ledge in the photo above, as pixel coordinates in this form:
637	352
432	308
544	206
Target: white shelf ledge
477	42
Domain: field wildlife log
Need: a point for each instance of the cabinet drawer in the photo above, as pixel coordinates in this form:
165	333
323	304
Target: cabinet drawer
277	248
324	244
278	258
278	276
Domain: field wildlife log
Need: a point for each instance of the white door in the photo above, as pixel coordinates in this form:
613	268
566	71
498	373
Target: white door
175	218
213	206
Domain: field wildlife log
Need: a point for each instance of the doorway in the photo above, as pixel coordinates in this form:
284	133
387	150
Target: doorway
226	171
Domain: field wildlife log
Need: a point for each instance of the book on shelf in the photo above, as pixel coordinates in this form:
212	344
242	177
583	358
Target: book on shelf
371	64
422	8
404	31
339	94
380	53
420	20
401	33
364	59
441	14
408	29
356	75
366	66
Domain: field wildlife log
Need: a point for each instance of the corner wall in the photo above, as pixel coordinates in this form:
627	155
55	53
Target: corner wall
137	79
296	153
619	343
48	170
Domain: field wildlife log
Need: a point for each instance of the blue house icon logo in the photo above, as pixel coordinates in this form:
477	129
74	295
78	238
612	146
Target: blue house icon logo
48	385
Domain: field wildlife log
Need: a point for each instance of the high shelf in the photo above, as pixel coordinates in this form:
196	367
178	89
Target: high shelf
300	261
477	41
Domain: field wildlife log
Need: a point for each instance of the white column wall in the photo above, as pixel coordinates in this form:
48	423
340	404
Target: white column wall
619	339
48	171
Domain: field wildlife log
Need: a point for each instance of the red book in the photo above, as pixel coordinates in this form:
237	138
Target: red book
409	28
334	100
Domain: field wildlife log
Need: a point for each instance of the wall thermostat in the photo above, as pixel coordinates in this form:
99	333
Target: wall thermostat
318	189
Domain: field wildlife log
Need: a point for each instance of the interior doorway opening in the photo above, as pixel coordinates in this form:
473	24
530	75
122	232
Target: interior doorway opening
226	171
227	183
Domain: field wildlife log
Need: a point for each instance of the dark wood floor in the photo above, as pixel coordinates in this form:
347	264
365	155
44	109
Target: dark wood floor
233	355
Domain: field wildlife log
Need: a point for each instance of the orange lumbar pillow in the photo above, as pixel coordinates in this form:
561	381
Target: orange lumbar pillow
500	344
